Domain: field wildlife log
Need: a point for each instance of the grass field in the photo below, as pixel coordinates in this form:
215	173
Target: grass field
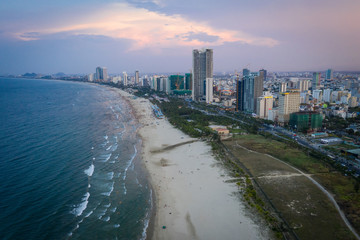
305	207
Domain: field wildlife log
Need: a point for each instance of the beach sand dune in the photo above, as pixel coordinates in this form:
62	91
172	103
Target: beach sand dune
193	195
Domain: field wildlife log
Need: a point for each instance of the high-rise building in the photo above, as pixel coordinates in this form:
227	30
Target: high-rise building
303	85
315	84
246	72
263	73
329	74
136	78
125	79
304	121
209	90
327	95
91	77
176	82
101	74
188	81
248	90
317	94
289	102
282	87
264	104
239	94
202	69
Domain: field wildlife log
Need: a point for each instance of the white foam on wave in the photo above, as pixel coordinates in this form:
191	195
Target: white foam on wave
109	148
110	191
130	162
89	171
106	137
125	190
105	158
87	215
82	206
113	209
116	225
147	218
110	175
114	147
106	219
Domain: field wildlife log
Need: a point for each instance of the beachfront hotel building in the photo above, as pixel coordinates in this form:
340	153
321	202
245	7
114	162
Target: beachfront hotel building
202	69
101	74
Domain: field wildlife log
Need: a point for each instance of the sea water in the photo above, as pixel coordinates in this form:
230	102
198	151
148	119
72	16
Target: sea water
69	163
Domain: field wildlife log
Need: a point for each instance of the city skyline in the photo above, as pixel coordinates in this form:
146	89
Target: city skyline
159	36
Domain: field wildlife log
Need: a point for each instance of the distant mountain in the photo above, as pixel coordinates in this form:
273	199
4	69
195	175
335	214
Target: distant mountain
60	74
29	75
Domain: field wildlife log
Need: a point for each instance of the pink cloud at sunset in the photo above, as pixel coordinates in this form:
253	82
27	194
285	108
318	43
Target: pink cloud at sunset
146	29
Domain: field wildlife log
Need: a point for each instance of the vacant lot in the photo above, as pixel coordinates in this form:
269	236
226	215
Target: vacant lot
305	207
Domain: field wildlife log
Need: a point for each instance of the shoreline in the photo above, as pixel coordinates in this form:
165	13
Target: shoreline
191	196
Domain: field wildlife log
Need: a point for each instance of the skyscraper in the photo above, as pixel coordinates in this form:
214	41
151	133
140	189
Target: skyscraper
209	90
202	69
283	87
249	88
264	104
239	94
315	84
289	102
101	74
263	73
188	81
136	78
303	85
125	80
329	74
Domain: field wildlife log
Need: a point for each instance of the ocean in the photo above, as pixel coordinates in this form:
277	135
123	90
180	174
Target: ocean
69	163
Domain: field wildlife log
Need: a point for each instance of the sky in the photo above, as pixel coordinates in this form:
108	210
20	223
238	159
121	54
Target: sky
76	36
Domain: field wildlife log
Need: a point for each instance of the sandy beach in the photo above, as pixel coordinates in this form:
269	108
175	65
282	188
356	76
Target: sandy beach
192	198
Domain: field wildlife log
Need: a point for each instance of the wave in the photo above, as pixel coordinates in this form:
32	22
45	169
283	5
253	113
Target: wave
113	209
106	219
116	225
87	215
105	158
109	148
89	171
125	190
130	162
110	175
111	190
147	218
82	206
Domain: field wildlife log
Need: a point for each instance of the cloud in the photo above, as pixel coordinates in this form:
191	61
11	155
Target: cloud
145	28
201	36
